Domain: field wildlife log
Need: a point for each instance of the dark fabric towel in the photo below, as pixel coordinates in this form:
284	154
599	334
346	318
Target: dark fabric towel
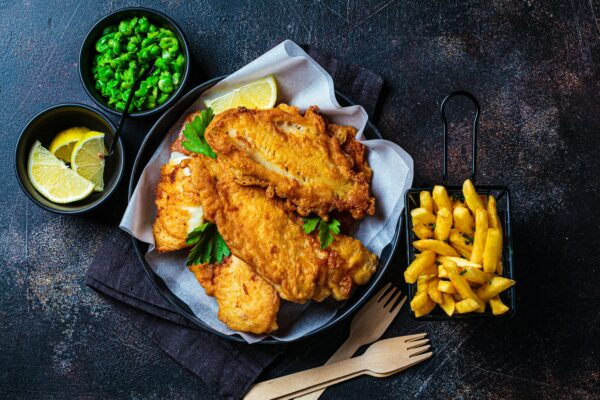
227	366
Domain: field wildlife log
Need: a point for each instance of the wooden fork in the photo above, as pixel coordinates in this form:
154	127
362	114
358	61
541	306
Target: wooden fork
367	326
383	358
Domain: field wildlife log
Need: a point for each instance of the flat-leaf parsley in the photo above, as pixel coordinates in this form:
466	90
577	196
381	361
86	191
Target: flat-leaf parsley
327	230
194	134
209	246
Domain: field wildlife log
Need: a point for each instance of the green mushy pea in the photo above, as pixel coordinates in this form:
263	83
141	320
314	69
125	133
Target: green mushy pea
125	51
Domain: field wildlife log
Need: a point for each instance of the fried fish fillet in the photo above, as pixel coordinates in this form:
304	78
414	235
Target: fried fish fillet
177	202
264	233
178	206
247	303
296	157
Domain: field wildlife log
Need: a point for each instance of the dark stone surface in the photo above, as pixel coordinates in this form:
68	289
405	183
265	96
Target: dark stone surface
534	67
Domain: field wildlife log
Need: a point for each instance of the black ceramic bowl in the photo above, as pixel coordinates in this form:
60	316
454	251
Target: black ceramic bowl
44	127
88	51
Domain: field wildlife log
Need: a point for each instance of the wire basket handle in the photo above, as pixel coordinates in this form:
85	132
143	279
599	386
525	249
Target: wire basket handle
474	135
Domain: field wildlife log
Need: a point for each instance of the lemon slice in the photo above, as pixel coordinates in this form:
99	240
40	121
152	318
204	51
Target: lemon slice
260	94
62	145
87	158
53	179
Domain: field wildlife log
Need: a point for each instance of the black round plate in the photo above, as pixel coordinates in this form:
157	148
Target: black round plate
149	146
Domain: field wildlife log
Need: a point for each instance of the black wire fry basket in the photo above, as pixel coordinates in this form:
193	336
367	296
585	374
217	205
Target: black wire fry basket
503	204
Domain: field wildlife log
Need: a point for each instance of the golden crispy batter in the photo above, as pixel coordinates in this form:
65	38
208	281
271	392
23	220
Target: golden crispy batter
261	231
295	157
346	137
353	265
178	206
177	200
247	303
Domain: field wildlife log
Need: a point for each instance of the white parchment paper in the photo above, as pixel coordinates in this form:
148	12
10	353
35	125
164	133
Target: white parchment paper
301	83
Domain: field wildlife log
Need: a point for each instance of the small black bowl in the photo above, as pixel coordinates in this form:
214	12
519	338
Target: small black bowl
44	127
88	51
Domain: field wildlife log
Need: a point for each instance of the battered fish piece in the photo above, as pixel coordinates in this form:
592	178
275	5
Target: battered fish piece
296	157
262	232
247	303
353	265
177	202
178	205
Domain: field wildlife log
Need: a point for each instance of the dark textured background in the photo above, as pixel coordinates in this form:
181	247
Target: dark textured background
532	64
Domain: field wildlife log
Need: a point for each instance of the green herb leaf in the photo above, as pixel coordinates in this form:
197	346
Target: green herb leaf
334	226
432	226
221	248
468	239
310	223
464	271
327	230
194	134
209	246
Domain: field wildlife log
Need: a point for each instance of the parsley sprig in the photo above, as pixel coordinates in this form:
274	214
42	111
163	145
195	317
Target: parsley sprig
194	134
209	246
327	230
468	239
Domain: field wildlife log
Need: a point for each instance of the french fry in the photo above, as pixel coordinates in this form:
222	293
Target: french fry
492	250
471	197
463	220
422	231
424	260
460	244
497	285
466	306
433	292
493	212
422	283
448	304
422	216
481	227
460	262
425	201
461	250
456	203
430	271
443	224
494	221
499	267
425	309
463	288
447	262
497	306
440	198
446	287
437	246
419	300
476	275
442	271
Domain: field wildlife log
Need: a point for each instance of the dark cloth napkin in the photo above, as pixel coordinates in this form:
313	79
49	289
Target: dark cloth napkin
229	367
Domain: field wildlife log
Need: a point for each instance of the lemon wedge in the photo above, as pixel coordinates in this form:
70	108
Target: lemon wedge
260	94
53	179
88	156
62	145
